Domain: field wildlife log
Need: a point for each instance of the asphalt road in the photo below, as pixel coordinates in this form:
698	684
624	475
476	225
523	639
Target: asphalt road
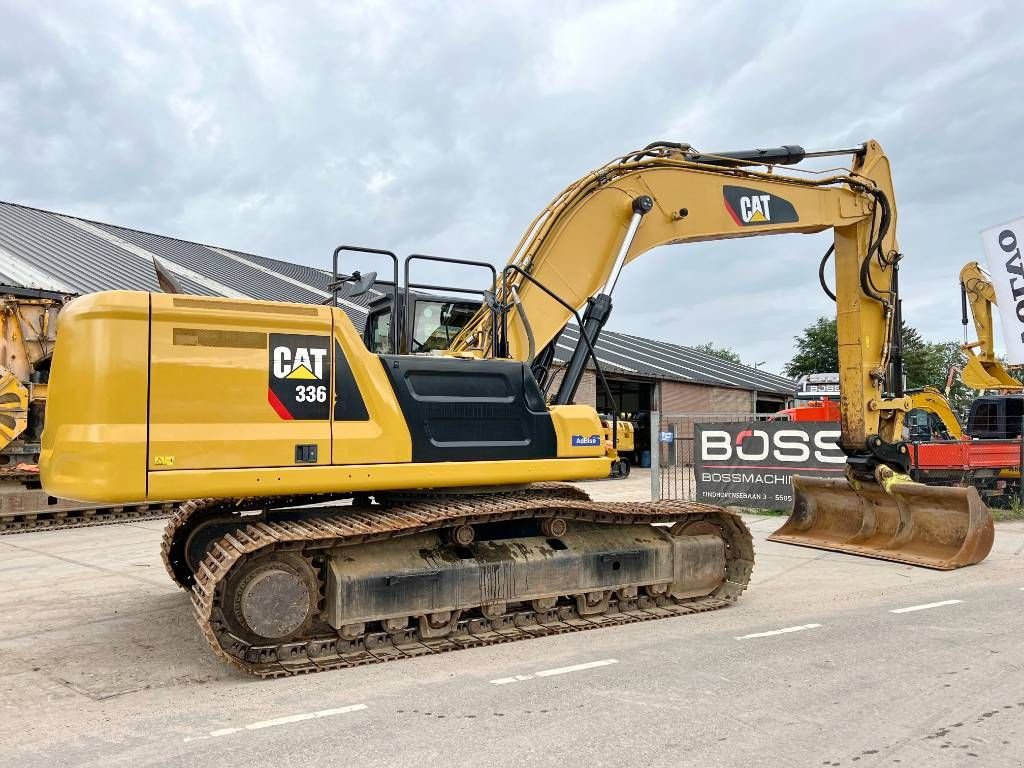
100	665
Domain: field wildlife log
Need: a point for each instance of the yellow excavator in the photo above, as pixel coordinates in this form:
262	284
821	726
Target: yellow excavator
356	500
983	369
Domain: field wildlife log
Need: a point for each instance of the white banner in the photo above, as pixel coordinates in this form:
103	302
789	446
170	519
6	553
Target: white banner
1002	248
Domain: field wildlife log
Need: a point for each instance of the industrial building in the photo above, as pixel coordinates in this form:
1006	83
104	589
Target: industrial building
57	253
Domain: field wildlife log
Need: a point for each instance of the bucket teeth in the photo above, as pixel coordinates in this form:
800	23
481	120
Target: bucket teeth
930	526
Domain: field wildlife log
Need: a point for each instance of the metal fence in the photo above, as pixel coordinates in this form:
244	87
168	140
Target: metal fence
991	466
672	449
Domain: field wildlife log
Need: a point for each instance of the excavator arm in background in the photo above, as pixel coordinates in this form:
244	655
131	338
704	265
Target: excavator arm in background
571	257
931	400
983	369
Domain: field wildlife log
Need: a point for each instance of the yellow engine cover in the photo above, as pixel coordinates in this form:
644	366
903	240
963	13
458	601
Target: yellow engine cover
163	397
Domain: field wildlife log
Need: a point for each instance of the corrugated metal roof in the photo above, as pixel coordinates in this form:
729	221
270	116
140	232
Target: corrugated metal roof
43	249
63	257
233	273
623	353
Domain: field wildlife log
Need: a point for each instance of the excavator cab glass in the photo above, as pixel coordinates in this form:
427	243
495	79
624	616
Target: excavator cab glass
996	417
378	332
437	322
404	321
921	425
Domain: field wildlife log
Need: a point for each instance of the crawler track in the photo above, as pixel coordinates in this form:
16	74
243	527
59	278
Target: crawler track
324	648
68	515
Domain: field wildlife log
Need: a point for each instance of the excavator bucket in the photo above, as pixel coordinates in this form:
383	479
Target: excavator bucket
931	526
986	374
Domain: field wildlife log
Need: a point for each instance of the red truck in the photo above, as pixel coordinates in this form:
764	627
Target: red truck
987	455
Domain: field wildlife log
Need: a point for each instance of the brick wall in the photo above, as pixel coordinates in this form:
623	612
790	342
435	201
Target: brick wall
676	396
679	397
587	392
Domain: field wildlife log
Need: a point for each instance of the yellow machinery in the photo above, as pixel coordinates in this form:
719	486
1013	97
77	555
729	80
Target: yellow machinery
27	328
983	369
455	534
28	324
623	442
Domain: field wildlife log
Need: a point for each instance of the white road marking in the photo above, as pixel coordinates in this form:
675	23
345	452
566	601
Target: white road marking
925	607
555	671
785	631
279	721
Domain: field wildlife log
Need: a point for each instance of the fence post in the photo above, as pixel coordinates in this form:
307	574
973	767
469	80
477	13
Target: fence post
655	456
1020	480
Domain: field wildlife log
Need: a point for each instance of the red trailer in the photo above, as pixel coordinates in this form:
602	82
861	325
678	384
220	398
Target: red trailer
990	463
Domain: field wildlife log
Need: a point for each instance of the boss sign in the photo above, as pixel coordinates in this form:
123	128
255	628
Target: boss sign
752	464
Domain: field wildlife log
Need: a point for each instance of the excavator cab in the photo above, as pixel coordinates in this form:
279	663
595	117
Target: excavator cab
435	321
996	417
408	318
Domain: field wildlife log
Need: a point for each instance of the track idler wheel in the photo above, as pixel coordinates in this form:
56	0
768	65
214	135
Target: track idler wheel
272	599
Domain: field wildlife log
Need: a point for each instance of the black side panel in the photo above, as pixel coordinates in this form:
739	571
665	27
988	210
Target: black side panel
348	400
471	410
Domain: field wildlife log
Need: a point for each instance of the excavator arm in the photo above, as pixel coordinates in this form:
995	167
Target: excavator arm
669	194
983	369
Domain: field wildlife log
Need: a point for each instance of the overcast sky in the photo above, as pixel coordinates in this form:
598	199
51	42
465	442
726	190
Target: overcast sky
443	128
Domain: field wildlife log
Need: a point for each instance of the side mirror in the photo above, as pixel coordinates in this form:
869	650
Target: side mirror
491	301
355	285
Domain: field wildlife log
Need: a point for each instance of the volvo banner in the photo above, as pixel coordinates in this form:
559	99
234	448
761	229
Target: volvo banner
752	464
1002	248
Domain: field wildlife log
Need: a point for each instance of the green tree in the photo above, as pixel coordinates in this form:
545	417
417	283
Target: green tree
924	363
723	353
816	349
960	396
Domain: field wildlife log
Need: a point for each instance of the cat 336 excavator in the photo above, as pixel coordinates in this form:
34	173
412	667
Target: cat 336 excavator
271	417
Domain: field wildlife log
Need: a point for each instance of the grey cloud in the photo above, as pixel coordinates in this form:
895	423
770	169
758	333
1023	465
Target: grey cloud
445	127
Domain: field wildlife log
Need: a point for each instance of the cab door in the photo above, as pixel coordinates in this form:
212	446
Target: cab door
238	384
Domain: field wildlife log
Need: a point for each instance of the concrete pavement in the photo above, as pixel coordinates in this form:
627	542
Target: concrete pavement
101	665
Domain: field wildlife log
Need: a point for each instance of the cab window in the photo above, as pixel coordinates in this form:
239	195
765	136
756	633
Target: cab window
438	323
380	333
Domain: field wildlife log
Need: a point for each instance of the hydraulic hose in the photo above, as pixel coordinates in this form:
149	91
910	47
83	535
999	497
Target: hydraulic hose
526	324
865	266
821	271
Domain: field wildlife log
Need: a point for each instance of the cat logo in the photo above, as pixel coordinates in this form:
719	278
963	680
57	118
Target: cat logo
299	376
751	207
756	208
301	363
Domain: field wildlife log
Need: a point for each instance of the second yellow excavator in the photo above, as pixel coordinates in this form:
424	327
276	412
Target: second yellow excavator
983	369
439	431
